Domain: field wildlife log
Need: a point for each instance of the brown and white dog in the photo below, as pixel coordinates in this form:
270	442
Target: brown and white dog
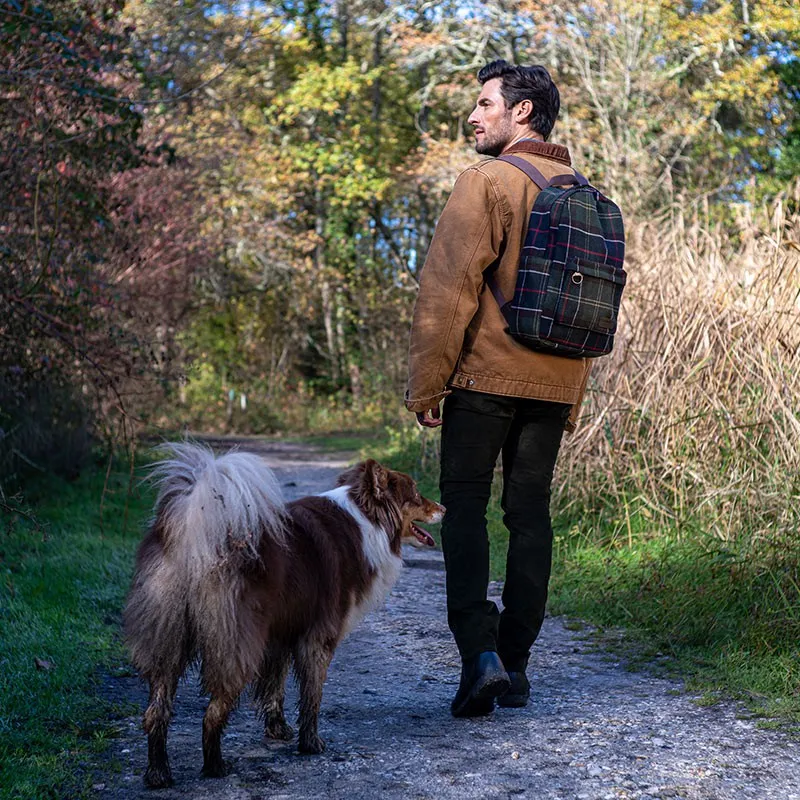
230	575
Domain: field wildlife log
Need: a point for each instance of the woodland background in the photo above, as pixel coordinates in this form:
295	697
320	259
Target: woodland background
214	213
213	216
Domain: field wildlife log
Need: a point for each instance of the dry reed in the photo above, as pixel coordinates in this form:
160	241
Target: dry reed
693	423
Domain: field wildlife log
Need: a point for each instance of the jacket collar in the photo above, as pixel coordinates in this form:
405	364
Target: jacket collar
555	152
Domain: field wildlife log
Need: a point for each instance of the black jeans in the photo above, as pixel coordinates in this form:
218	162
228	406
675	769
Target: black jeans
476	427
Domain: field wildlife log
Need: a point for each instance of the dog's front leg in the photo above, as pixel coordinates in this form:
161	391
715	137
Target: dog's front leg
312	659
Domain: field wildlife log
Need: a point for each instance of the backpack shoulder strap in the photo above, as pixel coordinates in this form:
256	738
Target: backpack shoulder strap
536	176
491	282
532	172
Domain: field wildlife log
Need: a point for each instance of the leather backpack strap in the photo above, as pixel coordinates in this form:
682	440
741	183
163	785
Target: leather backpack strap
536	176
581	180
528	168
576	179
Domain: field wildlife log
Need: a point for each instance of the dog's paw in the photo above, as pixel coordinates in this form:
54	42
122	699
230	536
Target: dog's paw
216	769
158	777
311	743
279	729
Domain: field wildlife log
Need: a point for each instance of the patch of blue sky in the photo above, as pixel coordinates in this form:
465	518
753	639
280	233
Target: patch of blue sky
442	12
242	8
783	52
266	11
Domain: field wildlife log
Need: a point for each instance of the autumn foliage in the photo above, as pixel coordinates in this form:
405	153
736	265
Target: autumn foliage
214	213
97	234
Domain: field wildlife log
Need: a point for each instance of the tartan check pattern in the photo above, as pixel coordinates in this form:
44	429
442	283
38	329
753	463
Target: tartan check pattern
570	278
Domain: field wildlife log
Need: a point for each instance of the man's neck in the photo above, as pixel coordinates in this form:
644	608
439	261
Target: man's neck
523	136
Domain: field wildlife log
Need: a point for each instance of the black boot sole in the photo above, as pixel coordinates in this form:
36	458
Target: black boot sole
513	700
480	701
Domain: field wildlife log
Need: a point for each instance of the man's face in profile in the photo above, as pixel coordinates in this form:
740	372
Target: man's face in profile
491	120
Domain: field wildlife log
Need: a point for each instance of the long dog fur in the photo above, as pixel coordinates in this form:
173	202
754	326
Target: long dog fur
230	575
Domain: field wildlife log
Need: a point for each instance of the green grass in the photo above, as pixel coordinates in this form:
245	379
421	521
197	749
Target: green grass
723	615
726	619
62	585
344	441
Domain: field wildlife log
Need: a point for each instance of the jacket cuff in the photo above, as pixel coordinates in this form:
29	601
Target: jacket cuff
425	403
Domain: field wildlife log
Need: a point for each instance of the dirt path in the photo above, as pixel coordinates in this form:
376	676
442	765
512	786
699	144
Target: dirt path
593	731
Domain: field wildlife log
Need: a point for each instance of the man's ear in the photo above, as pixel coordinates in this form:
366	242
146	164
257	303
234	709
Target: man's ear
377	477
523	111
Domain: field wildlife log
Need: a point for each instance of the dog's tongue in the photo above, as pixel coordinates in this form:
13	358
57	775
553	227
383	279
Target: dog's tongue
422	535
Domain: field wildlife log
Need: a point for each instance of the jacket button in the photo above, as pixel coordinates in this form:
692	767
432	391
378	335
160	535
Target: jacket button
470	382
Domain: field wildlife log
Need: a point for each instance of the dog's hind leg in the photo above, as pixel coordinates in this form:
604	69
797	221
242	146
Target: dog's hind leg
156	722
231	645
214	722
160	642
169	659
269	692
225	679
311	658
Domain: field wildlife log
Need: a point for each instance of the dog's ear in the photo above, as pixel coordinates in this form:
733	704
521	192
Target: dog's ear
377	477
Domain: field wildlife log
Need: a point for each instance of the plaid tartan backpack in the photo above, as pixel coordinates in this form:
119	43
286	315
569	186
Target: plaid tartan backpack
570	278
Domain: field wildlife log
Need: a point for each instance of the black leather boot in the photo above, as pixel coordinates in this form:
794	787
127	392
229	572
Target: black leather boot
518	693
482	679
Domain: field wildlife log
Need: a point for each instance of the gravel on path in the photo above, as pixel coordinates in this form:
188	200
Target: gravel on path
592	731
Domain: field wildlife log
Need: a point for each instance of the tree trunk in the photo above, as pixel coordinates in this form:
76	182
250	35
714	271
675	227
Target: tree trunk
328	309
326	290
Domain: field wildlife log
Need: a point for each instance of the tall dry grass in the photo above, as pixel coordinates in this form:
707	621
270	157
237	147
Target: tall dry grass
694	421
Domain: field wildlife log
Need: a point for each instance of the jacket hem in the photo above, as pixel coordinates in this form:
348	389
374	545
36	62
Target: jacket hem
516	388
425	403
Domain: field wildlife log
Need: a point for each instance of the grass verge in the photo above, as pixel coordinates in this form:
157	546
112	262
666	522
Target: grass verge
64	576
724	615
343	441
726	619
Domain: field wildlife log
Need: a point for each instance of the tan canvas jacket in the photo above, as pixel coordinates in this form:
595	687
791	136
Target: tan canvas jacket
458	335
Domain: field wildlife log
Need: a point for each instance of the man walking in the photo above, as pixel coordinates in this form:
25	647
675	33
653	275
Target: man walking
499	396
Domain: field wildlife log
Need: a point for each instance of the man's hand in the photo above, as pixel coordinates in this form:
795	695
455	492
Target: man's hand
430	418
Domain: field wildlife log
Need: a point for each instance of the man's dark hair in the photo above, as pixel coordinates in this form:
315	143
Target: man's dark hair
526	83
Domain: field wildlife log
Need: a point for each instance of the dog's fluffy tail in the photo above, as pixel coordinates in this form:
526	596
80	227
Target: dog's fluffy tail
213	510
216	519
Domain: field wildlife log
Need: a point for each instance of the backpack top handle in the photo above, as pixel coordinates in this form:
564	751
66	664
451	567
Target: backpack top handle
536	176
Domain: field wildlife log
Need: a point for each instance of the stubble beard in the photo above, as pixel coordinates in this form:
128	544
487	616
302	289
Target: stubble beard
494	144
